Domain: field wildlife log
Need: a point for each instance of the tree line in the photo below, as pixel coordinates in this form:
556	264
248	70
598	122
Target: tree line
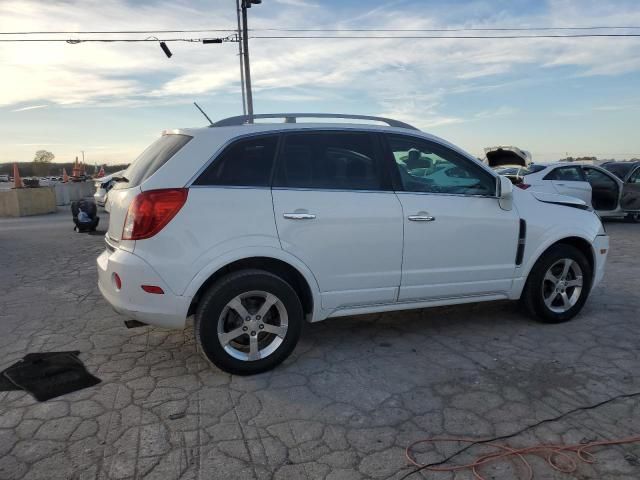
32	169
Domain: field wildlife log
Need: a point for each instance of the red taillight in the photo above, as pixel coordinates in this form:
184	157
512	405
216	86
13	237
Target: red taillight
152	289
151	211
523	186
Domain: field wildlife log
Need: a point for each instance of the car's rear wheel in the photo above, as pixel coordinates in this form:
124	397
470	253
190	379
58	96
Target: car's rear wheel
558	285
248	322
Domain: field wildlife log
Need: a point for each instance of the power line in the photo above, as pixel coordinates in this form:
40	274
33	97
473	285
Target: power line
466	29
230	38
370	29
326	37
92	32
474	37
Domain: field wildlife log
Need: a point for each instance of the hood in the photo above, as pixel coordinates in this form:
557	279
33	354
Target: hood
557	199
503	156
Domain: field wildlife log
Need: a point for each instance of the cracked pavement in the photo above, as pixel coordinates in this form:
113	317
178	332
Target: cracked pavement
353	395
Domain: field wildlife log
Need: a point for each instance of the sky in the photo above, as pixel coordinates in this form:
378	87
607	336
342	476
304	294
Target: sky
553	97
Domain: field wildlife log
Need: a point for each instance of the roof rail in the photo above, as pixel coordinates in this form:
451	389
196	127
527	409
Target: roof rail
292	117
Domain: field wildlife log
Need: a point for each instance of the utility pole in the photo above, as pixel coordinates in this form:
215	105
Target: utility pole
241	57
245	43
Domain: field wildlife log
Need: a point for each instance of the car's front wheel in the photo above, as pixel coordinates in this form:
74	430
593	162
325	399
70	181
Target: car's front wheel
558	285
632	217
248	322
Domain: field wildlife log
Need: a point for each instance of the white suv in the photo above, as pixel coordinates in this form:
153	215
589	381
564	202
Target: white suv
255	227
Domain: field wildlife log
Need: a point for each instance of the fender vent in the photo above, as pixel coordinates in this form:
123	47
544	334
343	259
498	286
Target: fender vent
522	240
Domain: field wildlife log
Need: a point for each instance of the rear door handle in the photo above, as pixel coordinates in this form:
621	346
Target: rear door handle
299	216
421	218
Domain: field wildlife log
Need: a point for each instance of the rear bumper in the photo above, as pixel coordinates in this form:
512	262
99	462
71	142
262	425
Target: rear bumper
163	310
600	245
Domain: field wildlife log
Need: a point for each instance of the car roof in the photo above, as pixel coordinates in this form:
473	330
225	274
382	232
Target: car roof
227	133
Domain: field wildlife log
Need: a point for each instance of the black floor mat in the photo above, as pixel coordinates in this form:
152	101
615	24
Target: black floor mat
7	385
50	374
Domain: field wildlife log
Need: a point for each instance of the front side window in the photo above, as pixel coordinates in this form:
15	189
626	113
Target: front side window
425	166
599	180
567	174
246	163
330	160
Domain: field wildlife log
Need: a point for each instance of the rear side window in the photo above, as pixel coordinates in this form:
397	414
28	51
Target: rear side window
156	155
336	161
245	163
568	174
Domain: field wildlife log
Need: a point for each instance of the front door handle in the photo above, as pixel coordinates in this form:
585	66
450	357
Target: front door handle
299	216
421	218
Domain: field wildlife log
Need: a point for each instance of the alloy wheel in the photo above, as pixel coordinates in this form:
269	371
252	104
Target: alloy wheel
252	325
562	285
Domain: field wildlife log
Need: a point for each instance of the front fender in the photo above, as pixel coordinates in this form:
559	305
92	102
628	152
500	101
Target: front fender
250	252
554	236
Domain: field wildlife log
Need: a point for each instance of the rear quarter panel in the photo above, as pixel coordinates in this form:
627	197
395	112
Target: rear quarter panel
213	221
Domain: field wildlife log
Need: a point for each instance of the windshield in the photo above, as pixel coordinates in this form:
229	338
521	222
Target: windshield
620	170
149	161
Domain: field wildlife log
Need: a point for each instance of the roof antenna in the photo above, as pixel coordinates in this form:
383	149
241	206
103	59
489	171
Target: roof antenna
205	115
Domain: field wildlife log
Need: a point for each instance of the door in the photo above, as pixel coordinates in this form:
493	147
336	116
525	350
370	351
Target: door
631	192
605	188
336	211
570	181
457	240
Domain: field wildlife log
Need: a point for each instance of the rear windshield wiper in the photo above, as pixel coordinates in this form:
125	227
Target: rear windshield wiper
120	179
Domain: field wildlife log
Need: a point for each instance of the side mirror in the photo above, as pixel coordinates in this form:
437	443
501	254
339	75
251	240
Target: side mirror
505	193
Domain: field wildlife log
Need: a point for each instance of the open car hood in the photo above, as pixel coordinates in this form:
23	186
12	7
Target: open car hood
503	156
560	200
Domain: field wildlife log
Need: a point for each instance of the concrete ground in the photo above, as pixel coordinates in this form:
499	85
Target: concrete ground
354	394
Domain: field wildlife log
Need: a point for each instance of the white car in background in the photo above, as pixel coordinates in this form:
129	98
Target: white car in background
564	178
103	185
559	178
254	228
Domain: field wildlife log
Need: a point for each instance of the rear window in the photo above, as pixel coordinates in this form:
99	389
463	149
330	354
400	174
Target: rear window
532	169
149	161
569	174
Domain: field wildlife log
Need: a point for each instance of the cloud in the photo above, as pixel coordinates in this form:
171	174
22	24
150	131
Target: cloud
503	111
297	3
408	78
31	107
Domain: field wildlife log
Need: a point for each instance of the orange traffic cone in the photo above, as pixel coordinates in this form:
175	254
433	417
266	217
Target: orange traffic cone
100	173
65	177
17	181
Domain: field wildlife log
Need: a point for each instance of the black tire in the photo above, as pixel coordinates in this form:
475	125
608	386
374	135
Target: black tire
632	217
217	297
533	297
